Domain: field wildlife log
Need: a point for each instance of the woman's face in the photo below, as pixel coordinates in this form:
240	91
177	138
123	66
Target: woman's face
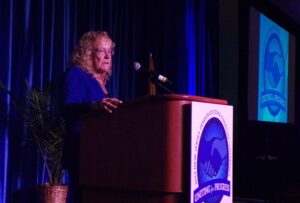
102	59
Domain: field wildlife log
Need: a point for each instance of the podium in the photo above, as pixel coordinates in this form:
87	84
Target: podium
139	153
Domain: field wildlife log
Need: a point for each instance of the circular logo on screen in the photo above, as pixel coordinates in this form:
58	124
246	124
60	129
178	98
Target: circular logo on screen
212	161
274	74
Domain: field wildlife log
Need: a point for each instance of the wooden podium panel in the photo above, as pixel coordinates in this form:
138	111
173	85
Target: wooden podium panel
136	154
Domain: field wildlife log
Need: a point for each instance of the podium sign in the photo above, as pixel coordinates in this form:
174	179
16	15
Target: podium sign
211	154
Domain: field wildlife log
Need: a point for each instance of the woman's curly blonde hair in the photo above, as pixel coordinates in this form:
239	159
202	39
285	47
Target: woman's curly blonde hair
83	52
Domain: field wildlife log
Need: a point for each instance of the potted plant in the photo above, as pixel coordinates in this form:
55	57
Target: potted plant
44	123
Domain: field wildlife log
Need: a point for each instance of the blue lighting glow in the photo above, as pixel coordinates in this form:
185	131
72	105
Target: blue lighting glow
191	49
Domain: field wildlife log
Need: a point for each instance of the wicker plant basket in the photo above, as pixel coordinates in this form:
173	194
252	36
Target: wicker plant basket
52	194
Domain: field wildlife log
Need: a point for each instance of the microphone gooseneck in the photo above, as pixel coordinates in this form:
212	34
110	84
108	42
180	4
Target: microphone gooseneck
151	74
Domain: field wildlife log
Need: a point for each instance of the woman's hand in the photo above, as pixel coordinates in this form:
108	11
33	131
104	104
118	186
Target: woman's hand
106	104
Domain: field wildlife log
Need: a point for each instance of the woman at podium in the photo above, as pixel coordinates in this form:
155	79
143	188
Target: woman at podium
84	91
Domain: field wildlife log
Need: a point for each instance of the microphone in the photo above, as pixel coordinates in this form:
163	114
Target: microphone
151	74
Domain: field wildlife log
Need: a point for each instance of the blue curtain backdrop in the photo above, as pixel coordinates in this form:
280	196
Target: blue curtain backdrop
36	39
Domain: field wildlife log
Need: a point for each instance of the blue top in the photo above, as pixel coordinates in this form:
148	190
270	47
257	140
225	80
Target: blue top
80	90
81	87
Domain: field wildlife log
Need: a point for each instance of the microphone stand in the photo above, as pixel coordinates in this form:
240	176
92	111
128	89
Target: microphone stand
159	84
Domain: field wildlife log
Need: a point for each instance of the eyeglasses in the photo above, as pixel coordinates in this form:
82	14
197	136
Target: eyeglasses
104	51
